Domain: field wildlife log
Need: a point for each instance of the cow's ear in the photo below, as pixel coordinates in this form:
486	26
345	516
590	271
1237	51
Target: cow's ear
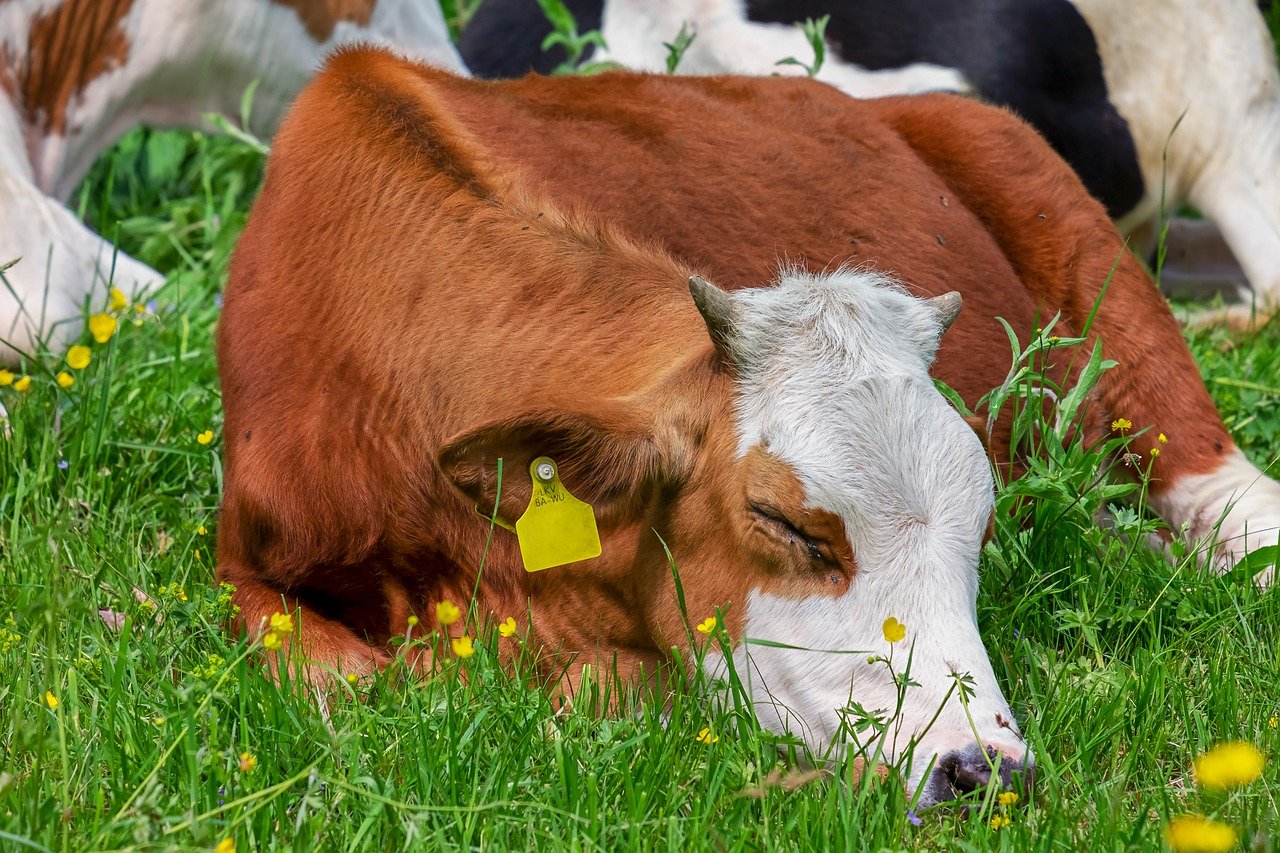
609	458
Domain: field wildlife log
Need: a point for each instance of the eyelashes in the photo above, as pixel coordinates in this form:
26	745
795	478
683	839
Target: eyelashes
788	532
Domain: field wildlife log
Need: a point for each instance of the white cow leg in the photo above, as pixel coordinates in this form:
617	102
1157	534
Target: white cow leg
60	262
1235	509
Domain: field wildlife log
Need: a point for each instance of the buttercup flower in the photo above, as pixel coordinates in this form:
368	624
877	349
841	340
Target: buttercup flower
1273	722
226	845
507	627
281	623
707	625
447	612
412	620
1195	834
6	377
463	647
248	761
64	379
200	531
102	327
893	630
118	300
708	736
22	384
1162	438
352	678
78	357
271	641
1008	798
51	700
205	437
1155	451
1000	821
1121	425
1229	765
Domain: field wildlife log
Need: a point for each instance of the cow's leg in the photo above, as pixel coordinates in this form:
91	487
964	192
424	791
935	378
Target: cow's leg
1250	227
318	647
60	262
1065	249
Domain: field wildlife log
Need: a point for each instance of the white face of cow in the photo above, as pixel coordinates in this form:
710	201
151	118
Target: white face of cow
834	382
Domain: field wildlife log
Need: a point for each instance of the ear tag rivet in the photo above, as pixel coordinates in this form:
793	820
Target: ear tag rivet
556	528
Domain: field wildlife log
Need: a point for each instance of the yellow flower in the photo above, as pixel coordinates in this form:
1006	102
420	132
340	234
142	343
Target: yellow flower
1000	821
447	612
707	625
22	384
1008	798
1229	765
1121	424
271	641
78	357
64	379
507	627
893	630
1155	451
1273	722
1162	438
51	700
282	623
118	300
412	620
6	377
708	736
226	845
201	530
1195	834
159	721
352	678
102	327
248	761
463	647
205	437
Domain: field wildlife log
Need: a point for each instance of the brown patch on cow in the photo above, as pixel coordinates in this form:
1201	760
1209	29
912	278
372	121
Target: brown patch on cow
776	499
68	47
321	17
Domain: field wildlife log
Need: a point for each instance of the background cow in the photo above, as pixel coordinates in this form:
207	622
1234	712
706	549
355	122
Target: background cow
1105	81
784	441
76	74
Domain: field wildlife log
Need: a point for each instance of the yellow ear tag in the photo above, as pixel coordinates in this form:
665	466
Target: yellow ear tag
556	528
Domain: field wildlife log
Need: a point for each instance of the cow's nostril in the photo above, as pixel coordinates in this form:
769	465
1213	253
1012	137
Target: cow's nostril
966	770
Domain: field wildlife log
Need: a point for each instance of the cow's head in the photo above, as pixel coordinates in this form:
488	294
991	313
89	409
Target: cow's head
816	485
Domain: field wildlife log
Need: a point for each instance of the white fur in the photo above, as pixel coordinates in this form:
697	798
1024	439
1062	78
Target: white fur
728	42
1232	510
1211	63
835	381
186	59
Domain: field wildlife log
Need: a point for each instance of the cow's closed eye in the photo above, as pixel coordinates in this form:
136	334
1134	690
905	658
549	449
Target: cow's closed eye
772	522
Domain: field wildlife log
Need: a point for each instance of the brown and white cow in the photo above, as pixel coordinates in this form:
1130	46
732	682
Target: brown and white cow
76	74
418	294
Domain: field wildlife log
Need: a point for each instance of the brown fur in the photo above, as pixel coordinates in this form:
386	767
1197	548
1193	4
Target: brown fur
321	17
403	309
68	47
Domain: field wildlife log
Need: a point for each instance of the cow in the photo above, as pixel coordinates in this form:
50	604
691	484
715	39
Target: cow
1113	86
76	74
714	304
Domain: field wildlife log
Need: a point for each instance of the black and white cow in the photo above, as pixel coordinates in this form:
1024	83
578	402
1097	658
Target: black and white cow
1111	84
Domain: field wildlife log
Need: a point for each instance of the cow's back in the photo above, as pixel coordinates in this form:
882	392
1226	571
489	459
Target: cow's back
738	176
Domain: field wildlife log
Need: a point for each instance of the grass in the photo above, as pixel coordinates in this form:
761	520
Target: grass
1121	666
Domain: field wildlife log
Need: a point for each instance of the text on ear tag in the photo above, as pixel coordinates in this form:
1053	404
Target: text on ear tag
556	528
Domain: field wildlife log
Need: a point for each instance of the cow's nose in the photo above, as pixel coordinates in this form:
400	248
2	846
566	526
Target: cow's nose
965	770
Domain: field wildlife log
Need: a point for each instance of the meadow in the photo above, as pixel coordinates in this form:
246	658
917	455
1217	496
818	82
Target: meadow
130	719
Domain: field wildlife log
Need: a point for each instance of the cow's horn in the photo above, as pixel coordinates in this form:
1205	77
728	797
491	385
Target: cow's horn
948	306
716	308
